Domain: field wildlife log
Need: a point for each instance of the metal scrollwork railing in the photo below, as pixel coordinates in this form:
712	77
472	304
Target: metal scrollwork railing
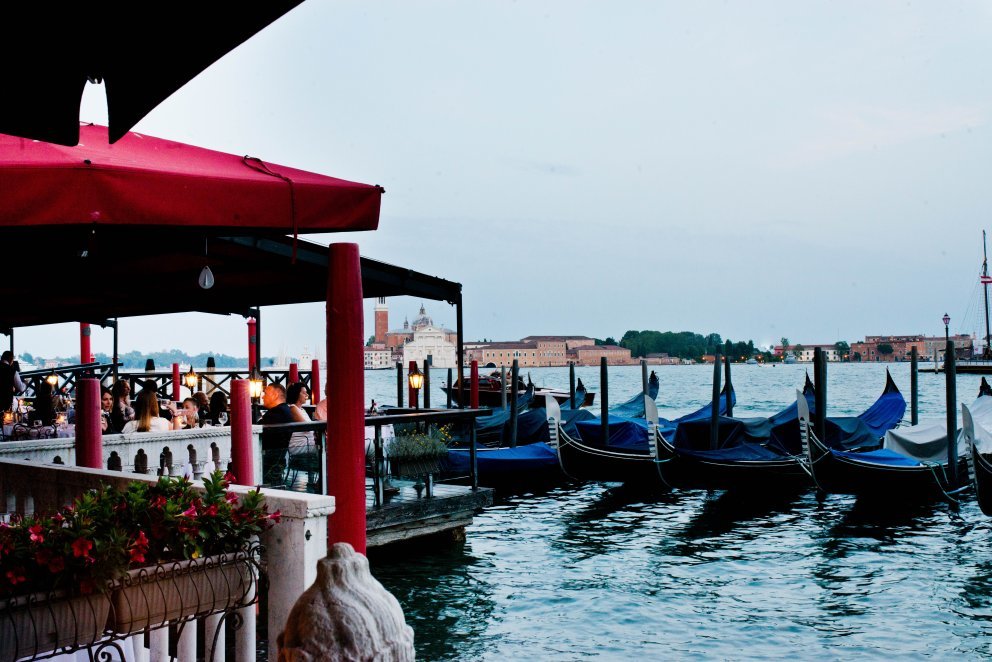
41	626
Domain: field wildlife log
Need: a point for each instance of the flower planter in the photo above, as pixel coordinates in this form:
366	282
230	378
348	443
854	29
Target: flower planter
37	624
148	597
414	466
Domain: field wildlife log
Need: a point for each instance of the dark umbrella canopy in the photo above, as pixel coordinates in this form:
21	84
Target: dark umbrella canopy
142	52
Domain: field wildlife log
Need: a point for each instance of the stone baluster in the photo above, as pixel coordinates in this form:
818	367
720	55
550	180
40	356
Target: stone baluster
141	462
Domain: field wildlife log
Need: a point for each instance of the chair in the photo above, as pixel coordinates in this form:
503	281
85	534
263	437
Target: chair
303	455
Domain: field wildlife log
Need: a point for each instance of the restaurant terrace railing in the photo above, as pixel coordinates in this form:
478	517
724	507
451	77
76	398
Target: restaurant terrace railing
298	541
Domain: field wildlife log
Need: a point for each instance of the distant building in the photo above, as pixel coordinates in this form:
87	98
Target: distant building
497	354
431	343
663	359
927	347
378	357
381	320
571	342
805	354
591	355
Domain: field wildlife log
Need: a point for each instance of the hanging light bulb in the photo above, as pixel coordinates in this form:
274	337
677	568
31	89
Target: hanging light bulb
206	279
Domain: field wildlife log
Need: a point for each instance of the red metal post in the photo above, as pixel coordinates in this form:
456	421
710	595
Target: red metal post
345	396
252	342
315	394
294	374
411	393
474	396
176	383
85	353
89	438
242	455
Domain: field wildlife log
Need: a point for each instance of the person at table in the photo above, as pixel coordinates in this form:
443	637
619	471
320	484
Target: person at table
10	380
121	410
218	406
297	395
44	403
106	408
202	407
147	419
275	443
190	413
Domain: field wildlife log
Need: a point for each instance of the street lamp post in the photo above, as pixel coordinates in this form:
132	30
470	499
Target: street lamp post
947	332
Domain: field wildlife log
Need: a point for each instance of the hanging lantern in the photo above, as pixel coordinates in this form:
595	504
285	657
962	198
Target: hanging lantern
190	379
256	384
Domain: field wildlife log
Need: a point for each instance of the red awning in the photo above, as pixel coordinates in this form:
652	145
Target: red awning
155	183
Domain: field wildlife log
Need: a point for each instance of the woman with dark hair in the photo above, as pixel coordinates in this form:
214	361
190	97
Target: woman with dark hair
202	407
218	406
297	396
121	411
147	417
106	408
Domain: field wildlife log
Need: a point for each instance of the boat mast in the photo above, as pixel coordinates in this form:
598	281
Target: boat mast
985	284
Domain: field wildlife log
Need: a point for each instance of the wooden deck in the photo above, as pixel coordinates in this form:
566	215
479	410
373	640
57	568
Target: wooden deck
406	516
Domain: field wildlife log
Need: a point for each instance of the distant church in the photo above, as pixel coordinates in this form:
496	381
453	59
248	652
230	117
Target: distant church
417	340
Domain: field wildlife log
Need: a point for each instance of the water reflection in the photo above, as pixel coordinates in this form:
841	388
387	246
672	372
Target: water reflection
445	596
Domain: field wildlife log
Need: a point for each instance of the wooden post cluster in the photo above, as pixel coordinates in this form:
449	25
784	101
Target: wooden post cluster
950	372
604	404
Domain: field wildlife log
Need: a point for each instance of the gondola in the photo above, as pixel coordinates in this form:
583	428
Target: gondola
628	457
911	465
634	407
977	429
763	455
526	466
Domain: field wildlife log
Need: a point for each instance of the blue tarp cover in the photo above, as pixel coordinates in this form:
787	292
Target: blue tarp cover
634	407
501	461
882	456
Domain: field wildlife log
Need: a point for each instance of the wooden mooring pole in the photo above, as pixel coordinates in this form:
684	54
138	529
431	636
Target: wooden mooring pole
715	412
571	383
604	403
914	387
427	384
950	372
502	386
451	387
820	399
644	377
727	385
399	384
514	392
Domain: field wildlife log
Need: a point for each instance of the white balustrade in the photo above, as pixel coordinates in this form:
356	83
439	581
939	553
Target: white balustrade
153	444
292	547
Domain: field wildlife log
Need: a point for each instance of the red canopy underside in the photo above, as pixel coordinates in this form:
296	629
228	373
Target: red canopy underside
146	181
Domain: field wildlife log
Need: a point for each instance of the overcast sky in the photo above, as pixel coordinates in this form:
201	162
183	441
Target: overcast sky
815	170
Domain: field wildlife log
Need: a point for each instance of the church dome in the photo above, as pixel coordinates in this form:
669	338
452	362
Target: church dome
421	320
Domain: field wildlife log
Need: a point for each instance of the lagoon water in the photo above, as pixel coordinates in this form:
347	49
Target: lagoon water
597	571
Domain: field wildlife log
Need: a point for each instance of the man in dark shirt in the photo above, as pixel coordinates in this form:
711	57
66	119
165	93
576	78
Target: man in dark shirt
275	442
8	378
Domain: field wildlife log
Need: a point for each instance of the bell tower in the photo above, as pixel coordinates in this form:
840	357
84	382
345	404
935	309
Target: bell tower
381	320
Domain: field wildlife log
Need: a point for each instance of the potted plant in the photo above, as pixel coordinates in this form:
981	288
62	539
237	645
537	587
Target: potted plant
125	559
415	453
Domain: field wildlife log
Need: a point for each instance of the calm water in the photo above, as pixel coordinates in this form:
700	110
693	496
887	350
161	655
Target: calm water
594	570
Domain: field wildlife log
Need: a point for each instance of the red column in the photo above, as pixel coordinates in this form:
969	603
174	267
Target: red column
176	383
345	397
242	453
252	341
412	396
294	374
474	396
315	394
89	438
85	354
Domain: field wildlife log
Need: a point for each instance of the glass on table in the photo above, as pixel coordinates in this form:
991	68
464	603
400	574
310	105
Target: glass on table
222	418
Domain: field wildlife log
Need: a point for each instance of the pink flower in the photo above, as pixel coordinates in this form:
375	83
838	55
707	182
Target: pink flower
231	497
82	547
137	555
158	502
141	540
36	533
276	516
16	577
57	564
210	510
189	512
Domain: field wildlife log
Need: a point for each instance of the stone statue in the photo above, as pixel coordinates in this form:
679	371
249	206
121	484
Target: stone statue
346	615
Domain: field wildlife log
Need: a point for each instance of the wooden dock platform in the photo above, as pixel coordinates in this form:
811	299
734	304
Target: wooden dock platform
405	516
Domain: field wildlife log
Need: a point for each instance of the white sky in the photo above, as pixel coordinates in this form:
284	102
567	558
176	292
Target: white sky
816	170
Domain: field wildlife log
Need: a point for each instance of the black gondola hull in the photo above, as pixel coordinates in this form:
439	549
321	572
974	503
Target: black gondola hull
582	462
983	480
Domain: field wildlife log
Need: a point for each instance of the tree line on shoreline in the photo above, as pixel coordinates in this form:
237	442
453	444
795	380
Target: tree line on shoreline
163	359
693	346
